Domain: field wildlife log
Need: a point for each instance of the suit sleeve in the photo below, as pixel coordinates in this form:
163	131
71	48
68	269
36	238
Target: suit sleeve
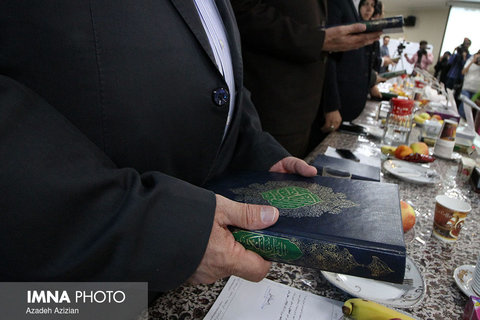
331	90
268	30
69	214
255	148
331	96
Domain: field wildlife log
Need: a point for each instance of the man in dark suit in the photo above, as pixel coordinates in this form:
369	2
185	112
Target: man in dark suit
348	73
113	114
285	45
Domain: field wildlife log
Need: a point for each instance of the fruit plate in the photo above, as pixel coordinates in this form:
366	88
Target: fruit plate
405	295
410	172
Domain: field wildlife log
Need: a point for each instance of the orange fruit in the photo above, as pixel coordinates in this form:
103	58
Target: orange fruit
402	151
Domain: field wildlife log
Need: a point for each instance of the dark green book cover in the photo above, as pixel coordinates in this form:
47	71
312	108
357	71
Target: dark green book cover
338	225
387	25
392	74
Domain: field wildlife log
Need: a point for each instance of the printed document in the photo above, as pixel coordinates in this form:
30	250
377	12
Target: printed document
267	300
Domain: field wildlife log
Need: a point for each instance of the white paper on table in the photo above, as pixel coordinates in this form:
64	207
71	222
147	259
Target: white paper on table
267	300
364	158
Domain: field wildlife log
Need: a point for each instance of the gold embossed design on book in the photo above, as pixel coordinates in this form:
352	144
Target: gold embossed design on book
378	267
289	196
268	246
330	256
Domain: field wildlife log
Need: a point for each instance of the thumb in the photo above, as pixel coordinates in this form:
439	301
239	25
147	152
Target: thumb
356	28
246	216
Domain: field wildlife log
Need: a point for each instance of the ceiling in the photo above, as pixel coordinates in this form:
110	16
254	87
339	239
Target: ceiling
399	5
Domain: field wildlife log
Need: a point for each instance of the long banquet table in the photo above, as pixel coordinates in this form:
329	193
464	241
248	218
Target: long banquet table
435	260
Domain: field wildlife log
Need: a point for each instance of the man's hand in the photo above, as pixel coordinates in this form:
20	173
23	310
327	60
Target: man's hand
224	256
350	37
333	120
294	165
388	61
375	92
380	79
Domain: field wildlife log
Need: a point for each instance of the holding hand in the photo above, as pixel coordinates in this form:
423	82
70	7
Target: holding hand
350	37
294	165
388	61
224	256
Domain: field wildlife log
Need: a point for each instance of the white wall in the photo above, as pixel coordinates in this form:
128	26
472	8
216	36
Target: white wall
463	22
429	26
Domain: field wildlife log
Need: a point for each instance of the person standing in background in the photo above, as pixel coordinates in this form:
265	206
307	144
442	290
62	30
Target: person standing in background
384	52
422	58
441	67
348	74
456	63
284	46
471	79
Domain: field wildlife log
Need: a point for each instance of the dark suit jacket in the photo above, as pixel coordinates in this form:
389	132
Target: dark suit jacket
284	64
347	76
107	130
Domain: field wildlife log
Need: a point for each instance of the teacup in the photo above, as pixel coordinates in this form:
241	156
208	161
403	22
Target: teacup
450	214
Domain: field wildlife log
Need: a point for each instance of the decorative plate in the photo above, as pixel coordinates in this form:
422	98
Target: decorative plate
405	295
463	276
410	172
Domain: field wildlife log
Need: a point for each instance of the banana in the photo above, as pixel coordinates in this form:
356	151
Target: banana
419	119
360	309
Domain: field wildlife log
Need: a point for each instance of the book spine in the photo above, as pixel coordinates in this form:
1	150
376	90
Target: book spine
324	255
393	74
382	24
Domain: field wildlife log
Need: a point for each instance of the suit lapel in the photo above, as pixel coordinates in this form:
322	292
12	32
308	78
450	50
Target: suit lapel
323	7
355	10
188	11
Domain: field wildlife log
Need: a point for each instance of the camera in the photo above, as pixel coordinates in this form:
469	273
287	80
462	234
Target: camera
400	48
461	48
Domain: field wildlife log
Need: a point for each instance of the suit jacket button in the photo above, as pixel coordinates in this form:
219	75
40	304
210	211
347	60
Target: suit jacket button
220	96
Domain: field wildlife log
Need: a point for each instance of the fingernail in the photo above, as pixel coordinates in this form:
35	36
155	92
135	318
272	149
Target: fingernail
267	214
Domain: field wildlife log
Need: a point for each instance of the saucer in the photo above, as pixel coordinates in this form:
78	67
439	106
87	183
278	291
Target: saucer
463	276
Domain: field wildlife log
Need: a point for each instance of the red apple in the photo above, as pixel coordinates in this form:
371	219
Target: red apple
408	216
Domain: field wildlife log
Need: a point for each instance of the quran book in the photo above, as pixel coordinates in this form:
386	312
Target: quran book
387	25
392	74
338	225
359	171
